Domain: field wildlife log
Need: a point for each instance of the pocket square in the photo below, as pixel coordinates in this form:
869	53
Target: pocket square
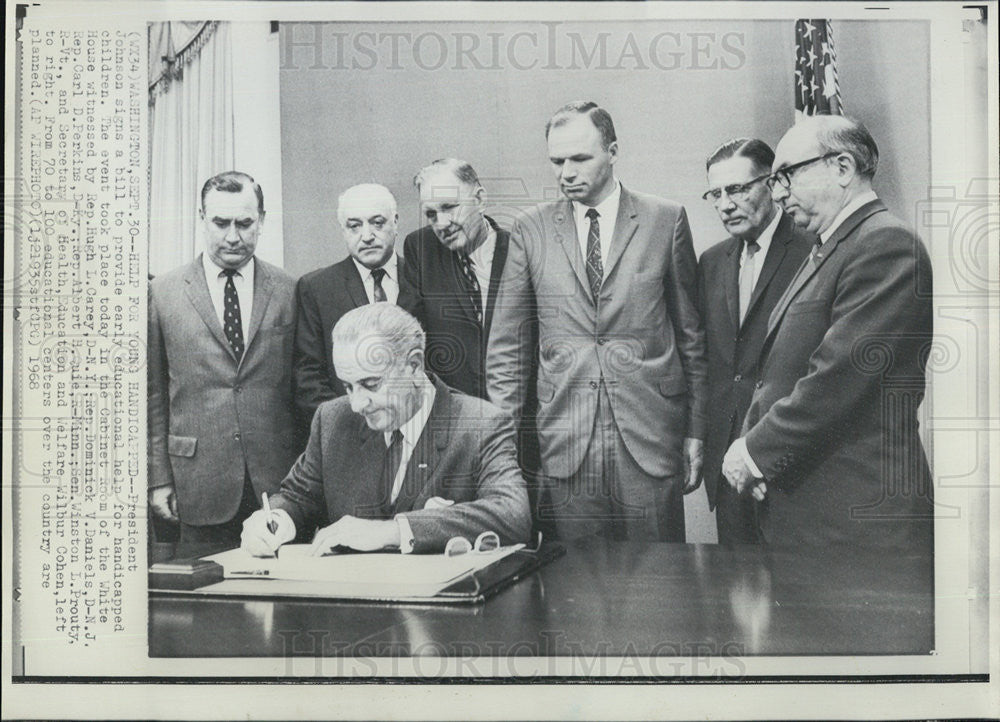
437	502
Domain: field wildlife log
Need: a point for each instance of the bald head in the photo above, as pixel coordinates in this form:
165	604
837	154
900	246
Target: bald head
367	213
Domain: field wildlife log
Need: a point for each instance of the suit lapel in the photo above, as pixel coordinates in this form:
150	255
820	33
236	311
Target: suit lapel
562	218
625	227
496	273
808	268
354	284
196	289
427	452
732	280
361	481
263	286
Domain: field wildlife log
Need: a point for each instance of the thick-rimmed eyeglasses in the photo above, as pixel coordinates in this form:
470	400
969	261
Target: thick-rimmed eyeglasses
733	191
783	177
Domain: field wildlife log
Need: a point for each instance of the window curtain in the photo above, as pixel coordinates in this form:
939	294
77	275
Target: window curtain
191	131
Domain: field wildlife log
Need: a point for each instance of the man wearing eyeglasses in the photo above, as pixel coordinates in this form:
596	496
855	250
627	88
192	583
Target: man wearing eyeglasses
739	282
831	448
402	461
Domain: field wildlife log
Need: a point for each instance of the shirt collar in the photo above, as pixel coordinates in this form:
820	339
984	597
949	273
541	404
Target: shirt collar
608	208
214	270
484	253
389	267
767	235
855	203
413	427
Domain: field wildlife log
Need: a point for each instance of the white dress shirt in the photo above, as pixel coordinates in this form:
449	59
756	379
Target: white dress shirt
764	241
482	262
390	282
853	205
215	277
607	218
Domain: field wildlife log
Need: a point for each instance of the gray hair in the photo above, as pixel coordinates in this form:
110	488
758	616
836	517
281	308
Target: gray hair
368	191
840	134
459	168
381	333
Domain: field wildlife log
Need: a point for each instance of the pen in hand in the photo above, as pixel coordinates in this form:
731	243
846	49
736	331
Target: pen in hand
272	525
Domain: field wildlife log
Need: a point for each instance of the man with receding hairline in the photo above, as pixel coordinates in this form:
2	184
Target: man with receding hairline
221	418
830	447
609	276
370	274
402	462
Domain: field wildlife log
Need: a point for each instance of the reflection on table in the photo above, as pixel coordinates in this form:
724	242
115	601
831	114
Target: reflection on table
602	598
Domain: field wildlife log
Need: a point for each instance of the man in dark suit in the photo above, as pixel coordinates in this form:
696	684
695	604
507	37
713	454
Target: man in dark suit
370	273
453	267
403	462
739	282
620	351
831	446
221	418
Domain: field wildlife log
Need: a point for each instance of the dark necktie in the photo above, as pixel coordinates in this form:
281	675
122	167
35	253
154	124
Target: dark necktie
379	293
475	290
232	321
393	458
746	278
595	268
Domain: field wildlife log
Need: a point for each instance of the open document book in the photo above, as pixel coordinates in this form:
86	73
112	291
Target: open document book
375	576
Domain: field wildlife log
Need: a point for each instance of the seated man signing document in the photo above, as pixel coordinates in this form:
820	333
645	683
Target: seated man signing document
401	462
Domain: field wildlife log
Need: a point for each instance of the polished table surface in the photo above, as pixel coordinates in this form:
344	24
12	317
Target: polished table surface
601	598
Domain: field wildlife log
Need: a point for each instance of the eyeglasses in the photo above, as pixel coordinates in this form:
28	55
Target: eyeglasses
486	542
734	191
783	177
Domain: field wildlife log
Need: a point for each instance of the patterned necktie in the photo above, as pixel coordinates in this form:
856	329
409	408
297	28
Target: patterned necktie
393	458
379	293
232	321
475	290
746	278
595	268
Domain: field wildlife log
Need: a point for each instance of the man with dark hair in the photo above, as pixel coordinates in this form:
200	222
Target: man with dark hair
369	274
739	281
609	276
830	444
403	462
221	423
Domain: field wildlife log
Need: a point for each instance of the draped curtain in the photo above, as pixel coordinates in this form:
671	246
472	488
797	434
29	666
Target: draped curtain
191	131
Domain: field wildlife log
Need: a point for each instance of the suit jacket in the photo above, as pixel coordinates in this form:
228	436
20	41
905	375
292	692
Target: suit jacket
734	347
833	424
438	296
209	416
322	297
465	453
643	334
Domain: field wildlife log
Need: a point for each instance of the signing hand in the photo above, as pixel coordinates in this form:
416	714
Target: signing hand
694	456
258	540
365	535
163	501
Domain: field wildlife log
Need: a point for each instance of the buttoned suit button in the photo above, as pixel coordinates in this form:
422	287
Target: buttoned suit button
237	388
594	384
601	341
738	378
236	436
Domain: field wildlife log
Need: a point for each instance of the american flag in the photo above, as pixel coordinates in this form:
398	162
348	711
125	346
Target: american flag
817	91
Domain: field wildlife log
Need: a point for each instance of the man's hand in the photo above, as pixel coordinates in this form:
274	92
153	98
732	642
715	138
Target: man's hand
257	539
694	457
163	501
739	475
365	535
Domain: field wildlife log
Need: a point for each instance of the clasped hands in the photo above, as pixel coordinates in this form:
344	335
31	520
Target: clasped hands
361	534
739	475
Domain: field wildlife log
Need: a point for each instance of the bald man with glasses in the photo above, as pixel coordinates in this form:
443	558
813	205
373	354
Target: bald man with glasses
739	282
830	445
